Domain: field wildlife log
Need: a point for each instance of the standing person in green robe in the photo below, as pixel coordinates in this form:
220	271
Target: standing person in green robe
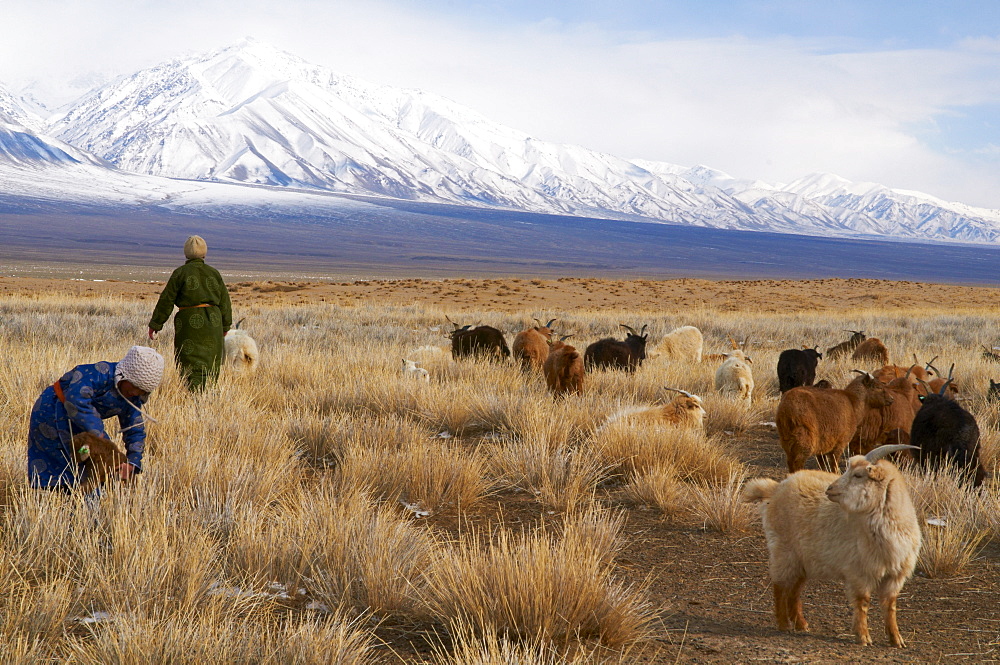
204	315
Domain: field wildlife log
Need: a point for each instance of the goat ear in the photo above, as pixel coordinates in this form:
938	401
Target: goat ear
877	473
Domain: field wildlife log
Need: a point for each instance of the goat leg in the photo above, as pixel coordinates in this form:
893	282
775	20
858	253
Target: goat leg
861	602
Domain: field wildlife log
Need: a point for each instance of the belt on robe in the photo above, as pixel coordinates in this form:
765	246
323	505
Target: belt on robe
59	392
204	304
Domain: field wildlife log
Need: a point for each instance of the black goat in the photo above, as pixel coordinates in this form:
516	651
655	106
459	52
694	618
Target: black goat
797	367
616	354
947	433
483	341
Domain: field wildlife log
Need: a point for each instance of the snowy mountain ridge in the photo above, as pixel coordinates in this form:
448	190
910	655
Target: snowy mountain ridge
251	114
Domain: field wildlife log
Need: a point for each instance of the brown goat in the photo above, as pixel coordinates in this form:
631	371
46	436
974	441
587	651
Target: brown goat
890	425
531	347
98	457
871	349
887	373
563	369
822	421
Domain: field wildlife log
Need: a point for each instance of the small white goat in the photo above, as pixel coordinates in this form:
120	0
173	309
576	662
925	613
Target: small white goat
241	349
859	527
411	371
684	343
735	375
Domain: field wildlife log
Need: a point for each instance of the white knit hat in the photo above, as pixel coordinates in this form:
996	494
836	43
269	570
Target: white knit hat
142	367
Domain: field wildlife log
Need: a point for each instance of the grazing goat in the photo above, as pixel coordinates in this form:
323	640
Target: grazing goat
797	367
993	393
411	371
615	354
685	410
887	373
859	528
482	341
735	376
531	347
991	354
891	424
563	369
871	349
684	343
821	422
944	432
241	349
99	459
844	348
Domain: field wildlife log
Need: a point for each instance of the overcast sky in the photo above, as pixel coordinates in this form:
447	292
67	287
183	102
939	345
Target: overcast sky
904	93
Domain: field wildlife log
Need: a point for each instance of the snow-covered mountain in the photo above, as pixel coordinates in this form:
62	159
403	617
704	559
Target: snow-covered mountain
250	114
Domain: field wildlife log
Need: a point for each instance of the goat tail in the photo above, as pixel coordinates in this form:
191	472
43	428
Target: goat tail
758	489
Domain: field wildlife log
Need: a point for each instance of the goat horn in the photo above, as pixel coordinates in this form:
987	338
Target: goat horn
551	321
678	390
733	342
239	322
909	369
565	337
880	452
948	382
628	328
864	373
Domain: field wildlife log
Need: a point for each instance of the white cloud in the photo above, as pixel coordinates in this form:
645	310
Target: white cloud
773	110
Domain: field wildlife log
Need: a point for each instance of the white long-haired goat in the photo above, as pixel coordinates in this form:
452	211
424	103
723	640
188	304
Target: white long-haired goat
859	528
241	349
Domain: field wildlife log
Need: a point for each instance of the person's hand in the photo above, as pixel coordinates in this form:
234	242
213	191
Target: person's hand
126	471
152	334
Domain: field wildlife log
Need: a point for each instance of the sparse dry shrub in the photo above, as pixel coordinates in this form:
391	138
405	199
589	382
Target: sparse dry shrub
338	545
727	415
719	506
537	587
951	519
469	648
659	487
223	634
560	476
633	449
427	474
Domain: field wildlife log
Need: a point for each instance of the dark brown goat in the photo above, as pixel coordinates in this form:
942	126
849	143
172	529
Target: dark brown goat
531	347
615	354
844	348
947	433
822	421
482	341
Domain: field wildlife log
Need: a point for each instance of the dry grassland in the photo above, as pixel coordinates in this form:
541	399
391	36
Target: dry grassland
328	510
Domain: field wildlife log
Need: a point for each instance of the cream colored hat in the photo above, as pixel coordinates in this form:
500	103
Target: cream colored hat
195	248
142	367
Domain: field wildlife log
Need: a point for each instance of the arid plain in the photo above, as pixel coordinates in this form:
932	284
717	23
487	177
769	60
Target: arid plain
680	573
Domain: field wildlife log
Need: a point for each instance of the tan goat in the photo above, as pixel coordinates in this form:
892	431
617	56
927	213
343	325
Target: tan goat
872	349
822	421
859	528
531	347
890	425
563	369
685	410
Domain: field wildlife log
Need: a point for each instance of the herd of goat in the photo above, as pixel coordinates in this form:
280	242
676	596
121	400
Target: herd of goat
859	526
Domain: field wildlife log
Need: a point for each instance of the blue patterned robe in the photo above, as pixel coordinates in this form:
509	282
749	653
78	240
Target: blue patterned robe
91	395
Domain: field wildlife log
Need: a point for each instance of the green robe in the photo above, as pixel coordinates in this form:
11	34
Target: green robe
198	331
